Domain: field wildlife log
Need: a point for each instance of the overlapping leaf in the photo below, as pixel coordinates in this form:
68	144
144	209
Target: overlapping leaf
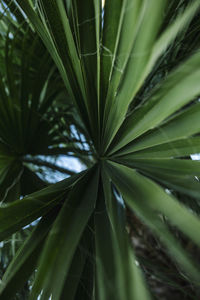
148	200
108	59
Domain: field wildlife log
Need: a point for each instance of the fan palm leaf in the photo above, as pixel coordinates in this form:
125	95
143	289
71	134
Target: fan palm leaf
140	120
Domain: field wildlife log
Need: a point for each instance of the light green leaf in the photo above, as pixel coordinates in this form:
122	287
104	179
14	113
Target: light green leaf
142	199
117	44
167	99
159	201
113	14
145	32
180	148
87	19
168	36
182	167
141	64
181	126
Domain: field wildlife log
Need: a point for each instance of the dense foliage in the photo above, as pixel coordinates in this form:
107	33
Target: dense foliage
116	88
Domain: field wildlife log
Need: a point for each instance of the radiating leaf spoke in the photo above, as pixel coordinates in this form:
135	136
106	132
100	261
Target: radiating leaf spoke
158	200
117	272
139	55
181	126
113	89
144	202
24	263
19	213
188	185
167	99
66	232
173	149
182	167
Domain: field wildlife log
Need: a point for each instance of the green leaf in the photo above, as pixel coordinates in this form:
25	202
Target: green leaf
24	262
140	65
118	274
179	148
178	174
22	212
182	167
64	42
74	276
144	35
128	16
117	46
79	279
113	14
181	126
167	99
87	19
188	185
169	35
48	41
146	199
66	232
145	190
